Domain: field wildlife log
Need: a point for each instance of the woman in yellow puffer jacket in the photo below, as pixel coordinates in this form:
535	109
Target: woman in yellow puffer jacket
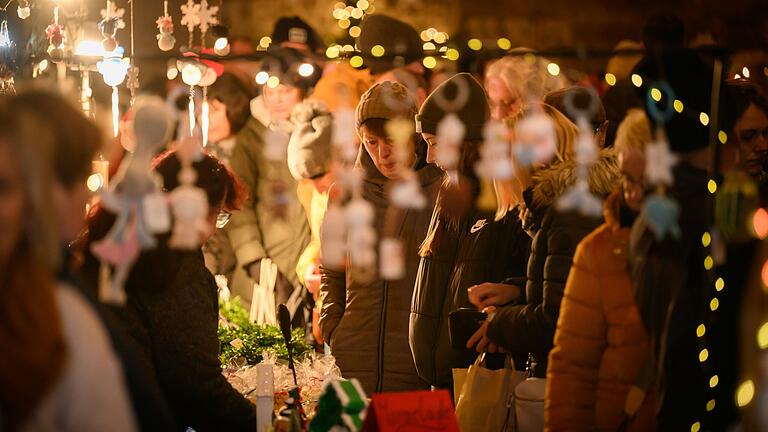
600	343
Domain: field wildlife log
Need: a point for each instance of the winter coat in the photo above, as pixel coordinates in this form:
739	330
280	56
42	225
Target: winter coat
529	327
171	314
669	280
600	343
366	323
272	223
478	250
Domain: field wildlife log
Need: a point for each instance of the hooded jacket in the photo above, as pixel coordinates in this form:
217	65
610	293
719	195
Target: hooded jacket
366	323
529	327
600	343
258	230
478	250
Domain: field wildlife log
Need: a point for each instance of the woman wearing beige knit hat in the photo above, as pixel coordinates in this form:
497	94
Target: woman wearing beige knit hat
366	321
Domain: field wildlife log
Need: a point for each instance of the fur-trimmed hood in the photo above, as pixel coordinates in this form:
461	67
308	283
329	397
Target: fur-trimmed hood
552	182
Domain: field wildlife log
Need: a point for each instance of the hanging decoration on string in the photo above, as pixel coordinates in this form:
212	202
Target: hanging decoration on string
136	198
133	83
579	197
494	164
55	35
165	39
189	202
111	21
190	17
7	59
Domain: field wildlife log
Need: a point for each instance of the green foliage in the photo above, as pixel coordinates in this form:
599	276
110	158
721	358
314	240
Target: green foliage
254	340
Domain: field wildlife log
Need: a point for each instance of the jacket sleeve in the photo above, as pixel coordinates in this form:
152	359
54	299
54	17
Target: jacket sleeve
580	340
244	229
428	322
185	348
333	295
531	327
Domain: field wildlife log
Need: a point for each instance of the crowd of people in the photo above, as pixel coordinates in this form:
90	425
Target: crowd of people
625	313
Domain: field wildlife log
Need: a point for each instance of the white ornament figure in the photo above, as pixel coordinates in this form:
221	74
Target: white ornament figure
536	139
343	135
579	197
658	168
333	235
207	16
392	259
190	15
495	162
450	135
362	236
406	193
165	39
276	145
190	207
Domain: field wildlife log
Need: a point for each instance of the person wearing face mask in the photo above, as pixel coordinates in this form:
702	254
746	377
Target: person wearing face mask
600	343
272	223
365	319
171	311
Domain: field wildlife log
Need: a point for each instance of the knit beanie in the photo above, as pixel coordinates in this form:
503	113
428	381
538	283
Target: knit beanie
309	149
461	94
581	99
385	100
396	37
295	30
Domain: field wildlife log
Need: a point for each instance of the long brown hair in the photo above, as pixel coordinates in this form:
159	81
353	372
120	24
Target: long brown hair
52	142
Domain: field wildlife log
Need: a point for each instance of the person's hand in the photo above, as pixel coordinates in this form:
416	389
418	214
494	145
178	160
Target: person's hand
254	270
312	280
492	294
480	342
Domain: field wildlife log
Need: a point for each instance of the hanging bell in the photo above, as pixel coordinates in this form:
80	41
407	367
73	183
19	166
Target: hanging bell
56	54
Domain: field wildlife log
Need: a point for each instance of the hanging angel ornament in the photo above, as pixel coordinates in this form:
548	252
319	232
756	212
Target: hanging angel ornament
165	39
579	197
134	186
189	203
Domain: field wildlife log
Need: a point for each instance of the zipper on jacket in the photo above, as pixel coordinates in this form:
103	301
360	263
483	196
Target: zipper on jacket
382	331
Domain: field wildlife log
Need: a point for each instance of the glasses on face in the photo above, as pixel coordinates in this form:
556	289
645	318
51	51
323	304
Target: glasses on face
747	135
222	219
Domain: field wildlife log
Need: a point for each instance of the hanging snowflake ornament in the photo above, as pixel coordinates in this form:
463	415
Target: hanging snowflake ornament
494	153
660	160
661	214
132	80
536	141
343	134
406	193
207	16
333	245
579	197
391	259
450	135
23	9
276	145
112	11
190	16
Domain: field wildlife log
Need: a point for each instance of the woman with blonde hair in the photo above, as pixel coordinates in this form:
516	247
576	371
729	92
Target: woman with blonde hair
514	81
600	343
58	368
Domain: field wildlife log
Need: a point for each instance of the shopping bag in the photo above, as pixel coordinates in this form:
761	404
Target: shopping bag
529	405
459	376
486	401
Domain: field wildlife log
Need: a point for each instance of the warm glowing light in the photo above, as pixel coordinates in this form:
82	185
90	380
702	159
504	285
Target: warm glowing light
429	62
191	111
610	79
711	405
424	36
637	80
722	137
357	13
89	48
431	33
429	46
695	427
94	182
762	336
440	38
703	355
378	51
712	186
475	44
363	4
265	42
745	72
356	61
504	44
273	82
553	69
764	274
354	31
701	330
714	381
719	284
344	23
452	54
745	393
760	223
704	118
306	70
678	104
706	239
332	52
220	43
708	262
714	304
191	74
113	70
43	65
262	77
656	94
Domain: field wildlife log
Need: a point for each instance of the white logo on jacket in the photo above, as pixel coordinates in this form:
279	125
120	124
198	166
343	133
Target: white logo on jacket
478	225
